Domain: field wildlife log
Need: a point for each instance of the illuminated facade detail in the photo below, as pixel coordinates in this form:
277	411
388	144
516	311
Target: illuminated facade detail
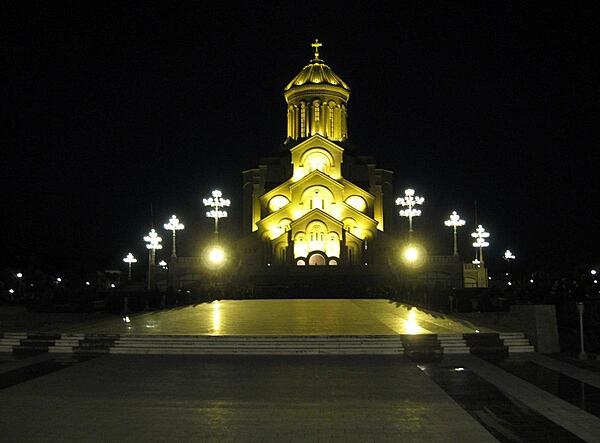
317	203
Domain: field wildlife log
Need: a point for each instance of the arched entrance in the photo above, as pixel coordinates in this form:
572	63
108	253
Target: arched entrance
317	259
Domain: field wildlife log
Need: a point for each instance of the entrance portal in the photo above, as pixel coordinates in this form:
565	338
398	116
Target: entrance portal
317	259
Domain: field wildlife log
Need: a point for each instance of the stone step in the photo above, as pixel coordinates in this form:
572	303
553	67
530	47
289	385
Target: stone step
266	351
251	338
453	344
16	335
515	349
61	349
462	350
265	347
10	341
67	340
258	342
516	341
511	335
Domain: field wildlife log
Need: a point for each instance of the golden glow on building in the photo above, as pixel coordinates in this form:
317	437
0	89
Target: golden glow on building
316	214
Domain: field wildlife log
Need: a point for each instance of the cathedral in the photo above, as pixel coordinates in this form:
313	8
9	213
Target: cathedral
317	203
317	211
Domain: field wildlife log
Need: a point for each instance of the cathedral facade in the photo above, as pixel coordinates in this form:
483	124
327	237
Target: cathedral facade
317	203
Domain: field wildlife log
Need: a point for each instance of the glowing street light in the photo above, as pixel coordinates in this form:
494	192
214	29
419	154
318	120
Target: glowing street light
129	259
480	235
508	255
410	200
153	243
173	226
454	221
216	202
216	256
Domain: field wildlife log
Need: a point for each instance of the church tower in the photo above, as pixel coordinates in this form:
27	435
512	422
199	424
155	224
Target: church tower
315	204
317	100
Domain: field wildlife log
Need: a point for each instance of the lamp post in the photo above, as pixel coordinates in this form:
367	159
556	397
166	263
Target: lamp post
173	226
508	256
454	221
129	259
153	243
410	200
480	235
216	202
19	276
582	355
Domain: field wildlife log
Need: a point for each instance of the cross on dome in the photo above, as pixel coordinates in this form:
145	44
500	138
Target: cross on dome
316	45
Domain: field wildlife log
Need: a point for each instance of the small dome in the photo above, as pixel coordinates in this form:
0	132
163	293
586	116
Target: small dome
317	72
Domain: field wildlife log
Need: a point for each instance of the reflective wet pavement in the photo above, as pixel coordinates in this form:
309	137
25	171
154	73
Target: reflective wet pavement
287	398
506	418
283	317
157	398
576	392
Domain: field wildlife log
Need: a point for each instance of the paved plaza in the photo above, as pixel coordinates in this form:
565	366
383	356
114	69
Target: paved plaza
132	398
283	317
288	398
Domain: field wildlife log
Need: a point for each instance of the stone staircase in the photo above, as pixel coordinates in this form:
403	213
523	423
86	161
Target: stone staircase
516	342
82	344
31	343
27	342
259	345
9	340
417	347
453	344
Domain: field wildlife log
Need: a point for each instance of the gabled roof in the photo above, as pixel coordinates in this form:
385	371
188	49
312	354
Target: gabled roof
315	214
316	176
317	140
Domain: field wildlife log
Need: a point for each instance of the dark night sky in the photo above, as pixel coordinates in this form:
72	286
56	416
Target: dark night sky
111	108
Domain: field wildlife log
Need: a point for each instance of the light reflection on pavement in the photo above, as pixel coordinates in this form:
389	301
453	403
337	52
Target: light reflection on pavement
282	317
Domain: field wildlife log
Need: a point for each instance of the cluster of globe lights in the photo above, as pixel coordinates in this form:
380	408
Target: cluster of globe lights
480	235
216	202
413	253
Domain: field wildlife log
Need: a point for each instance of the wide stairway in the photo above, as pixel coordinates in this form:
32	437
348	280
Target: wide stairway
414	346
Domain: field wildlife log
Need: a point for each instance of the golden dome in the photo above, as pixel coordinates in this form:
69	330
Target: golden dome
317	72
